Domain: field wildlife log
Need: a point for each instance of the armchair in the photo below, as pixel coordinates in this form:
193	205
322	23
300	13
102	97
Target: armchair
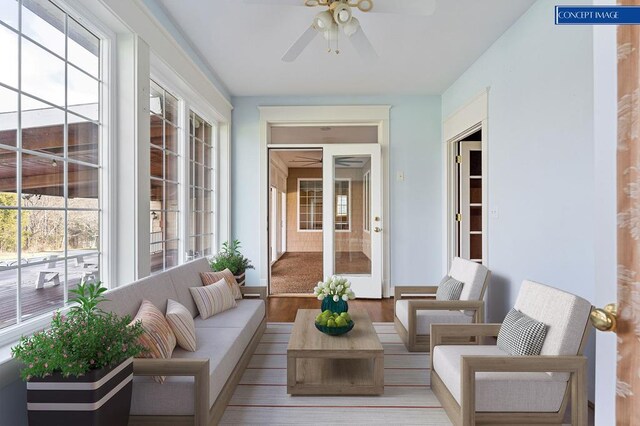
481	384
413	317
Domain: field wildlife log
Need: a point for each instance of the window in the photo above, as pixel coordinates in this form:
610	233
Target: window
165	187
50	161
366	196
201	189
310	204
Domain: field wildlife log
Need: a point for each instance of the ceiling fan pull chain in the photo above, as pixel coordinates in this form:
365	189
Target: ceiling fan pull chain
337	41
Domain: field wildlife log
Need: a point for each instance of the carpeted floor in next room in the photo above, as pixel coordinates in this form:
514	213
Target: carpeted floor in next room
299	272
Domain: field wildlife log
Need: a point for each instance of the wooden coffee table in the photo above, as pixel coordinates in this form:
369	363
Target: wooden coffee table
350	364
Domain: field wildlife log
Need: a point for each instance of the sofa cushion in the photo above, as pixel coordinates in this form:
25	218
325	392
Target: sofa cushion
157	338
424	319
248	314
187	276
213	277
222	346
126	300
565	315
473	275
213	299
520	334
449	289
181	322
514	392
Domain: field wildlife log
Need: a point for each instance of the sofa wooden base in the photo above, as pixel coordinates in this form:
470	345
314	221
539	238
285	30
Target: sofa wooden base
216	412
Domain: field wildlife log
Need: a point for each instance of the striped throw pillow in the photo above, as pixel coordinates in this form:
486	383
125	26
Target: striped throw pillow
158	338
449	289
181	322
521	335
209	278
213	299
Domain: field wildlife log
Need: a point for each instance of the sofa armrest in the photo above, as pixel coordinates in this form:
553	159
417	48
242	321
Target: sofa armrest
251	291
575	365
196	368
399	290
441	331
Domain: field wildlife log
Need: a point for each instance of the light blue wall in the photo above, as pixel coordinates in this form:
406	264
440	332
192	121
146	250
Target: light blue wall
541	156
416	254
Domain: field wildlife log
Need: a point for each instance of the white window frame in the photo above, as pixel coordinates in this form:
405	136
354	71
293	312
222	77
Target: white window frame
189	100
107	178
349	213
366	202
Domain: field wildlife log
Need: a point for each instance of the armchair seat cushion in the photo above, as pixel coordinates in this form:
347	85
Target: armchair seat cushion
424	319
496	391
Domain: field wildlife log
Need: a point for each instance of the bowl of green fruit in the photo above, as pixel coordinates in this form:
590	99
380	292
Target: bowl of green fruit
334	324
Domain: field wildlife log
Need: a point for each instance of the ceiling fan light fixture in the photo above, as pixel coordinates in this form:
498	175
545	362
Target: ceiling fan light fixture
342	14
323	21
351	27
365	5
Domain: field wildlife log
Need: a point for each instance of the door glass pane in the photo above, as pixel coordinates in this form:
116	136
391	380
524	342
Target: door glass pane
352	244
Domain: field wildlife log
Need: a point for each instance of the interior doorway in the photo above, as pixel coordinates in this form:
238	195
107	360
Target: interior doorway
467	193
325	218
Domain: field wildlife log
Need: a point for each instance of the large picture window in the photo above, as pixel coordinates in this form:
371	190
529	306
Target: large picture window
201	189
49	158
165	183
310	205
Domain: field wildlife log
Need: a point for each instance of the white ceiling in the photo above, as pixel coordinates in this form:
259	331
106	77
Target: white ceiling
243	44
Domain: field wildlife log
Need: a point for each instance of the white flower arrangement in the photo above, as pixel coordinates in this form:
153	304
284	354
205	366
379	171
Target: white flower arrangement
335	287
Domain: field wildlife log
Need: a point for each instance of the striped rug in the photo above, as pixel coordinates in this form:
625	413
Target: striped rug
261	397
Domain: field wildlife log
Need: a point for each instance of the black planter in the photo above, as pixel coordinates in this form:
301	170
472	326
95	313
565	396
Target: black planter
101	397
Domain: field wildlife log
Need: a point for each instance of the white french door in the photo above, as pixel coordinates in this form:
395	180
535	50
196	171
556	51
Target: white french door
352	216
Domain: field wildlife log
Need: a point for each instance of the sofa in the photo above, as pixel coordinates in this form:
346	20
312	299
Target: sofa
198	384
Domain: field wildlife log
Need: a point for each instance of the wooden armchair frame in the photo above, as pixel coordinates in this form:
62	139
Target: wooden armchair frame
199	370
421	342
464	414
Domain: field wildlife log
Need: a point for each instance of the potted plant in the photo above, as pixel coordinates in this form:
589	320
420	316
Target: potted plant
79	371
231	258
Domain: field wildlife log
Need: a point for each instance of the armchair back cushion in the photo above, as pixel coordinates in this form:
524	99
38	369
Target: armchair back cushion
473	275
564	314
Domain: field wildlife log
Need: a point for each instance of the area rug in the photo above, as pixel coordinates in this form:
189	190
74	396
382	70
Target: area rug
261	397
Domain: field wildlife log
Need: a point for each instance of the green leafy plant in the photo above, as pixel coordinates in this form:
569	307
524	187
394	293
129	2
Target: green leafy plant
231	258
85	339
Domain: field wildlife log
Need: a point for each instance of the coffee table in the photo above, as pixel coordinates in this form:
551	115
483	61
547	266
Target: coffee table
350	364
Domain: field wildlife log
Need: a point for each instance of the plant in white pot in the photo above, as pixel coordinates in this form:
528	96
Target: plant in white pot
229	257
79	371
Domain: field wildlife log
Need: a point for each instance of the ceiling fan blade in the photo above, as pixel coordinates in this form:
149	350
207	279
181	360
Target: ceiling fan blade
296	48
363	46
411	7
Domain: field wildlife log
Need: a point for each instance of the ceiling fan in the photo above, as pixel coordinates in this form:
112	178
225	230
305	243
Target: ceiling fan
340	161
338	17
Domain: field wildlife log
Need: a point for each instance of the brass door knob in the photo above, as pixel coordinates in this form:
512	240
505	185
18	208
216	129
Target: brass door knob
605	319
377	229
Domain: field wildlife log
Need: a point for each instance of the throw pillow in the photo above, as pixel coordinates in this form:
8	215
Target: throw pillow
209	278
521	335
213	299
158	338
181	322
451	289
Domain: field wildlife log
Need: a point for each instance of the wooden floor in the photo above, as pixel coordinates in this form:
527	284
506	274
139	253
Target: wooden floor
283	309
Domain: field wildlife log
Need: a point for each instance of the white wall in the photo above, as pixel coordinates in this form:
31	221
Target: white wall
415	202
541	156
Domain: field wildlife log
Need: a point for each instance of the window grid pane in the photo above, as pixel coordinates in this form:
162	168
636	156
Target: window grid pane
201	187
165	183
50	218
310	205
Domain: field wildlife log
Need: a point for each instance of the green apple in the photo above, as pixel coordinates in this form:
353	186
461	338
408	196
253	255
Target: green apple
319	317
326	313
346	316
323	322
341	322
331	323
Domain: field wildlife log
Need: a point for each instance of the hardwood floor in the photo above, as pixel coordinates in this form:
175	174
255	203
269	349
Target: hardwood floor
283	309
